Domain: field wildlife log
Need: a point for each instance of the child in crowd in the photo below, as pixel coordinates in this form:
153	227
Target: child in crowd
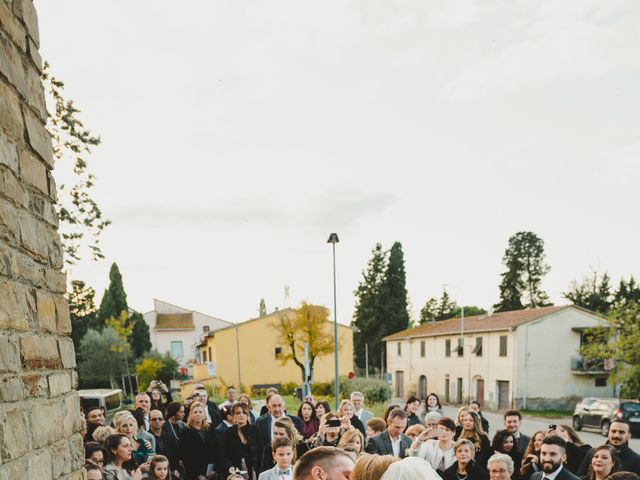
159	468
283	456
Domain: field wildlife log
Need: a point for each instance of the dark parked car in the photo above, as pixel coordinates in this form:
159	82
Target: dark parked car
600	412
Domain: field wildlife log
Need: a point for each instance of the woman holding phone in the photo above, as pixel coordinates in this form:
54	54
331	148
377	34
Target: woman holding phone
435	445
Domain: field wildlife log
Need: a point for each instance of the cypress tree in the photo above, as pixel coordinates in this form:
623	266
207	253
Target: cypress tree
394	293
114	300
368	315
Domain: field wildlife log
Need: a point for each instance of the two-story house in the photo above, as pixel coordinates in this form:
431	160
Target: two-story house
522	359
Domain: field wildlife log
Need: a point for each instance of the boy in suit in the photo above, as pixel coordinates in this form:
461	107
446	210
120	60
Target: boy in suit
283	456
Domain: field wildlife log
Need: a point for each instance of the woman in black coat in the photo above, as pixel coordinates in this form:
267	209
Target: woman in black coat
346	410
506	442
241	442
472	430
465	468
197	446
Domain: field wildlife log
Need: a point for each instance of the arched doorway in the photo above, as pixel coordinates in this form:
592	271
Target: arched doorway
422	387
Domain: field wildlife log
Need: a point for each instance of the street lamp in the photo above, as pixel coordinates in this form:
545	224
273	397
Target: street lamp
333	239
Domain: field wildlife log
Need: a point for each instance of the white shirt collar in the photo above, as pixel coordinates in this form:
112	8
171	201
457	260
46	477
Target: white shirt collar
552	475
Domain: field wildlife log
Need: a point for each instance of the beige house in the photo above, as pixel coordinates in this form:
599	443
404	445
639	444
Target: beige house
178	330
522	359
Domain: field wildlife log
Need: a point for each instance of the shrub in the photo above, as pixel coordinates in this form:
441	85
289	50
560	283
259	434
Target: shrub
373	389
322	388
288	388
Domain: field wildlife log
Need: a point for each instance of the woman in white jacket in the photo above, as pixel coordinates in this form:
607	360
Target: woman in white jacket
435	445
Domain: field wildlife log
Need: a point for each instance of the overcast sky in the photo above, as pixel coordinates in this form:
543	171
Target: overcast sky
238	135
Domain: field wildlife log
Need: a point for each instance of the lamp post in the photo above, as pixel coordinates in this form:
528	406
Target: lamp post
333	239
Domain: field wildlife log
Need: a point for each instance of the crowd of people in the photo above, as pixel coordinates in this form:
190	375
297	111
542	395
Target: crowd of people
197	439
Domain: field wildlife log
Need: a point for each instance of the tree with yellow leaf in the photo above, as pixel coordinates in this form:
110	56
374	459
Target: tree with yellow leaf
123	326
309	324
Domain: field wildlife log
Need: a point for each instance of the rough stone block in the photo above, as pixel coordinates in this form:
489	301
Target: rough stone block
6	260
15	439
11	65
10	186
34	171
71	420
62	315
61	453
59	383
9	227
35	385
40	465
10	115
46	309
18	306
35	91
45	426
38	136
55	280
34	236
9	354
67	353
8	153
35	55
18	470
12	26
39	352
76	446
26	268
56	258
26	10
10	389
74	379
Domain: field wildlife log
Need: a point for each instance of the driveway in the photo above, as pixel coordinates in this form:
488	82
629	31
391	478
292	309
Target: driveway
533	424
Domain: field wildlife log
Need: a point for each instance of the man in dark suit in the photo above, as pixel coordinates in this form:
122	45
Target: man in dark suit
512	420
227	421
276	409
552	456
166	444
618	437
392	441
200	394
474	406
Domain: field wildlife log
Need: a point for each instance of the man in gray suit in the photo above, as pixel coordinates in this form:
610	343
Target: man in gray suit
392	441
357	399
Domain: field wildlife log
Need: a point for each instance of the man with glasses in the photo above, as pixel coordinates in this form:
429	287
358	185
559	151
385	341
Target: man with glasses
166	444
214	416
324	463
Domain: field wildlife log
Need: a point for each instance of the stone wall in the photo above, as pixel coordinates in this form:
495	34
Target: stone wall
39	409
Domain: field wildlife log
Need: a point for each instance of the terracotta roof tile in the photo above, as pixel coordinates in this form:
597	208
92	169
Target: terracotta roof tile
477	323
174	321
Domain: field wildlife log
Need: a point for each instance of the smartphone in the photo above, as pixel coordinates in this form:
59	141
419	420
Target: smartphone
552	426
333	422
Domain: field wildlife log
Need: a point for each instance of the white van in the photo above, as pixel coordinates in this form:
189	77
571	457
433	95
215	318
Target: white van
110	401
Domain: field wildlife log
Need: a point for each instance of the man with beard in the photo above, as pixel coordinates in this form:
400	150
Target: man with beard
552	456
618	437
95	419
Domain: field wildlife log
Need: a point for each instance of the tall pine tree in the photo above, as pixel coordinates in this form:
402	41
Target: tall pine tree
394	293
369	314
521	282
82	311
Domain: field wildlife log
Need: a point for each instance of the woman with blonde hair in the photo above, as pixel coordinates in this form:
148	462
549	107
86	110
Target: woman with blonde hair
472	430
347	410
372	467
531	456
198	445
410	468
352	437
142	449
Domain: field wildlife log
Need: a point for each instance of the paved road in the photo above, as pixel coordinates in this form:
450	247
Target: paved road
533	424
